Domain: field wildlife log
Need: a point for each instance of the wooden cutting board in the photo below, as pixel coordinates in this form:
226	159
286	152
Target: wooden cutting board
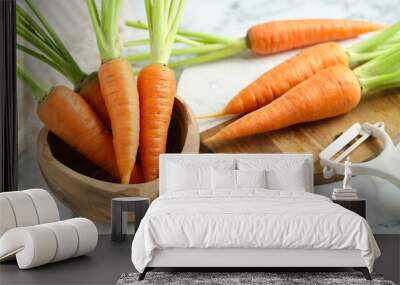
314	137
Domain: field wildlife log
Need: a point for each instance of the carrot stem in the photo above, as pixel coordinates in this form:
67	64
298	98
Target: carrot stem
186	33
374	41
135	43
50	49
393	39
380	73
106	28
39	90
386	63
53	35
365	56
141	42
163	18
176	52
380	82
218	54
41	57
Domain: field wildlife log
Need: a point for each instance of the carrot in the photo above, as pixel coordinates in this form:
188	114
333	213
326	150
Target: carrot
333	91
266	38
277	36
69	117
286	75
49	49
90	91
278	80
157	84
157	88
137	174
118	86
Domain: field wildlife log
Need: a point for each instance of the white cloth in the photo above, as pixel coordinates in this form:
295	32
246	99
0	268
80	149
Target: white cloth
251	219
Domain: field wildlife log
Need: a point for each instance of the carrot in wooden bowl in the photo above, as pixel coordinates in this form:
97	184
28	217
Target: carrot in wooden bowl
262	39
280	79
49	48
70	117
157	83
118	85
331	92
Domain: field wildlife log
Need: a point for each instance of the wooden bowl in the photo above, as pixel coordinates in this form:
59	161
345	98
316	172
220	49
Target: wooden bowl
85	188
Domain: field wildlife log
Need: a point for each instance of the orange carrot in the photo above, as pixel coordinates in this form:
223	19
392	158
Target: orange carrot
69	117
90	90
331	92
286	75
137	174
277	36
266	38
118	86
157	88
157	84
278	80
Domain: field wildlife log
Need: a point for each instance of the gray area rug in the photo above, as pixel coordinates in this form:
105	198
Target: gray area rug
269	278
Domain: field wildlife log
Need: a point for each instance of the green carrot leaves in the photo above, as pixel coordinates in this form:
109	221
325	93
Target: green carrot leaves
106	27
49	47
163	17
39	90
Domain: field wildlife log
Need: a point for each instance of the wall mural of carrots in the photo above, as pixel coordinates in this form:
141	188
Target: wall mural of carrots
122	125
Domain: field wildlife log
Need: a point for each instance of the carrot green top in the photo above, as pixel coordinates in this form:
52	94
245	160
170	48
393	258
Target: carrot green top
39	90
163	17
105	25
381	73
48	46
375	45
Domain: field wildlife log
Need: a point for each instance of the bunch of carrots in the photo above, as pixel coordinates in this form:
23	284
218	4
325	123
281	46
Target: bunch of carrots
121	124
108	114
316	84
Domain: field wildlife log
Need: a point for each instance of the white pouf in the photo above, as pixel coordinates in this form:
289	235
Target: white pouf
23	208
46	207
7	220
31	232
37	245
